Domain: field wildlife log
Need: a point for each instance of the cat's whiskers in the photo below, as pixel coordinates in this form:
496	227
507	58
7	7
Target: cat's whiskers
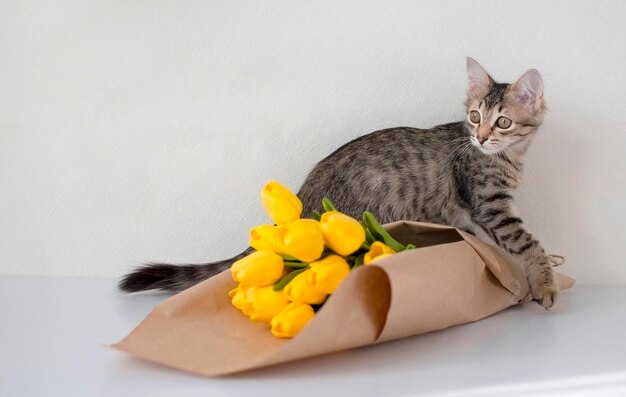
500	155
511	156
493	156
459	150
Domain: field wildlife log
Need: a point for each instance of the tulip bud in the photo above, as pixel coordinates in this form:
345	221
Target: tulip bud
265	238
299	290
328	273
238	297
343	234
280	204
258	269
301	239
377	251
264	303
291	320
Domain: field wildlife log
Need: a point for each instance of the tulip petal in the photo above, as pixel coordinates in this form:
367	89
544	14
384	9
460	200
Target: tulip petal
342	233
301	239
265	303
290	321
258	269
299	290
326	274
280	203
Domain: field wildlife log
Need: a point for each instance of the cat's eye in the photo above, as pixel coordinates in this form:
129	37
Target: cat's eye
504	122
474	116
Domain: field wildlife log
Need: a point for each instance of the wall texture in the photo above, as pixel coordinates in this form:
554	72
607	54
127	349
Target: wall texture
133	131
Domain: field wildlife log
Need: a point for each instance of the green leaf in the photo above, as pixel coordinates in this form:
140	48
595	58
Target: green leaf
370	229
327	251
369	238
379	231
328	205
316	215
289	258
285	280
358	261
295	265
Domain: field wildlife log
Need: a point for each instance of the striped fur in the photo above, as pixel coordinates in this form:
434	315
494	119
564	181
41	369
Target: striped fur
440	175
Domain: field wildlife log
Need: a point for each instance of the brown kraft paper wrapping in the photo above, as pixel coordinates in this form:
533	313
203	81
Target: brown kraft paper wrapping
452	278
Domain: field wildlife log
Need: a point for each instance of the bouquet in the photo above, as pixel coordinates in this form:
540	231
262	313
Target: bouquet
298	262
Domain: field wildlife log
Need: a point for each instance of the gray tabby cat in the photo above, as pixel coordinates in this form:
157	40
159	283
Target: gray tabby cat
460	174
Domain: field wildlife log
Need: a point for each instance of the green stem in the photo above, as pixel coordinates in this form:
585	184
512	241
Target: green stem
285	280
295	265
289	258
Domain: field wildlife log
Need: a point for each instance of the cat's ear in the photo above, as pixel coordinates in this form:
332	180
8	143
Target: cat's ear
528	91
479	82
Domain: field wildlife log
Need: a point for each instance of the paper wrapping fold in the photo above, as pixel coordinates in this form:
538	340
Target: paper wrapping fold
451	278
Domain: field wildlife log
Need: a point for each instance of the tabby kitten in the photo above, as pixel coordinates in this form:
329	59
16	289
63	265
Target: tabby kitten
460	174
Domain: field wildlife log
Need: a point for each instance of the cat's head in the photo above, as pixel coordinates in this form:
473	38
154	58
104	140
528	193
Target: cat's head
501	116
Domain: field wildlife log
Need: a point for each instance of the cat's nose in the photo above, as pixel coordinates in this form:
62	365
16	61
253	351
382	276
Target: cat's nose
481	140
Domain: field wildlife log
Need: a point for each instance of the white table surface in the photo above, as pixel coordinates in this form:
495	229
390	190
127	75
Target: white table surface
54	331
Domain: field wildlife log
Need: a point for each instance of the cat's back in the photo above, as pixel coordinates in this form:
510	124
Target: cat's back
394	143
382	162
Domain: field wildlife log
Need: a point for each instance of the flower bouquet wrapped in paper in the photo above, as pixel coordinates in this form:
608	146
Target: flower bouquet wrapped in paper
316	286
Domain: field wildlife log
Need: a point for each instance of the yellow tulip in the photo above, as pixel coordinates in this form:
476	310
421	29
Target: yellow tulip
343	234
377	251
299	290
263	303
291	320
258	269
301	239
265	237
280	204
328	273
238	296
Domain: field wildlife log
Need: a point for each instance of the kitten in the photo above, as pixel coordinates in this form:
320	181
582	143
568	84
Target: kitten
460	174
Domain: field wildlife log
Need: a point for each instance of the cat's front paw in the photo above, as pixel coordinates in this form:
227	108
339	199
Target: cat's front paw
544	288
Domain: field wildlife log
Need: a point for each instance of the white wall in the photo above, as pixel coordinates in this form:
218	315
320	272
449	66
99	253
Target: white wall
133	131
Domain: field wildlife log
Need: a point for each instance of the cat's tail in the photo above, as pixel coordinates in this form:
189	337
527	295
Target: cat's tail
174	278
